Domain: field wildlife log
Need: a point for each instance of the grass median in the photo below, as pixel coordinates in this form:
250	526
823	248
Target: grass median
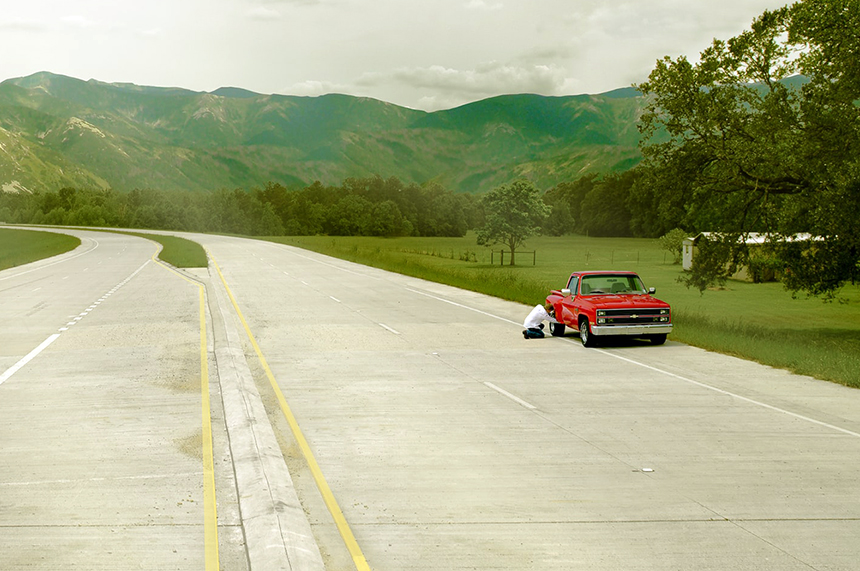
761	322
18	247
176	251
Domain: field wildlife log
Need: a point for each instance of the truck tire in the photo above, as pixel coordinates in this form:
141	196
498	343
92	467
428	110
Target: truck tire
556	329
585	336
657	339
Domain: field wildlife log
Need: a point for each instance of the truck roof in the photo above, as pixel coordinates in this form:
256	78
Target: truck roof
604	272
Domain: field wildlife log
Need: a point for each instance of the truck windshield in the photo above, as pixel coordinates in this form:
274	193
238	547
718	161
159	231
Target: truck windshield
609	284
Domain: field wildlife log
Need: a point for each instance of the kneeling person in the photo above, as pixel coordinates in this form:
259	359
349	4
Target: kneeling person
534	321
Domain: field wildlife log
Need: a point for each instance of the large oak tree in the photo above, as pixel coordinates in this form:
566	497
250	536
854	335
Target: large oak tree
513	212
762	134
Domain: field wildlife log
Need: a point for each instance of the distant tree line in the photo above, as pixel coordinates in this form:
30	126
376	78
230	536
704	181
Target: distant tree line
374	206
617	204
359	207
601	206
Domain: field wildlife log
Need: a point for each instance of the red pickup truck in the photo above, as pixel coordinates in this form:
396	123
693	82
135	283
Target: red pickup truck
598	304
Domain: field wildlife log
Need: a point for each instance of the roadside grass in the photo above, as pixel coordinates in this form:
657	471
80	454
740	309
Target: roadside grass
761	322
18	247
826	353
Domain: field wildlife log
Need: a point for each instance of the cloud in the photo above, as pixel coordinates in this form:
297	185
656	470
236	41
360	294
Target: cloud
77	21
21	25
313	88
482	5
439	87
273	10
490	78
293	2
437	102
264	14
550	55
151	33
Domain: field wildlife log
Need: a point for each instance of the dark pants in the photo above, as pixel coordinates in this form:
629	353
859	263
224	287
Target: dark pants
533	333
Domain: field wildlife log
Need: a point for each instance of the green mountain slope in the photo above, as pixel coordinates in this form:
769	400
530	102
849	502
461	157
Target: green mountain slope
57	130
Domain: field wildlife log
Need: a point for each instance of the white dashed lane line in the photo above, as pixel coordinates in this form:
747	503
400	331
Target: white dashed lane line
384	326
516	399
27	358
32	354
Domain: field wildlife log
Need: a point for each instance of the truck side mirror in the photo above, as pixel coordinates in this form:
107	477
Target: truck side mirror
652	290
565	292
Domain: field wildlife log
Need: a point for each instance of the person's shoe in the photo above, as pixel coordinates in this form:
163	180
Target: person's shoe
525	334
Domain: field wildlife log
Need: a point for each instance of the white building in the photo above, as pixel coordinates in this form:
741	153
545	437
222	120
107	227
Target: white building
751	239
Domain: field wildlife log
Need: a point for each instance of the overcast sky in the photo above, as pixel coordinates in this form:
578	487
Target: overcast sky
425	54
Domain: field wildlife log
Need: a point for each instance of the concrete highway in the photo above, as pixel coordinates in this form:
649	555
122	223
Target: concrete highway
100	412
362	419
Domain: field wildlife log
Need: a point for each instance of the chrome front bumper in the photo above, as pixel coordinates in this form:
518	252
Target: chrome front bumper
631	329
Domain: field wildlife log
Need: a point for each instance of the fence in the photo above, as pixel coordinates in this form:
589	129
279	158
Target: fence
502	256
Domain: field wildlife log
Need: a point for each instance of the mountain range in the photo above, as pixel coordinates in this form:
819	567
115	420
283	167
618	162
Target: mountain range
60	131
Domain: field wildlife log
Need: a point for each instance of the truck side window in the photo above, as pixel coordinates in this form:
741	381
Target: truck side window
571	285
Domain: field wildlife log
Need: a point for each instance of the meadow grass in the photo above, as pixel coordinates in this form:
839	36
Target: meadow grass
18	247
762	322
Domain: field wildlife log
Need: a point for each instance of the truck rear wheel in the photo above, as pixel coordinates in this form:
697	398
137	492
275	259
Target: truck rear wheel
557	329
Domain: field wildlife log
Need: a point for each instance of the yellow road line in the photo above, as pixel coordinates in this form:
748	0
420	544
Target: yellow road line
327	495
210	504
210	507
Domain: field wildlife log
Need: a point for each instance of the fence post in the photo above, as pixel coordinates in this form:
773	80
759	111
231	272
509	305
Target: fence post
534	257
502	252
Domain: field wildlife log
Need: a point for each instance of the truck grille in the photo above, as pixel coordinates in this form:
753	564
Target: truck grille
633	316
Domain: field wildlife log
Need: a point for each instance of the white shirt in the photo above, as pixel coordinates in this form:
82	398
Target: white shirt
537	315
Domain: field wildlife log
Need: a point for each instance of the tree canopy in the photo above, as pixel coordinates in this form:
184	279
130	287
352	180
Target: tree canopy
762	134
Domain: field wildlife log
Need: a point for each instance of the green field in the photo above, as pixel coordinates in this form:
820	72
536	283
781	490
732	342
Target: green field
19	247
762	322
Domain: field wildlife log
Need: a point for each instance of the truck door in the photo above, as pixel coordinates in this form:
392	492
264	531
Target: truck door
568	316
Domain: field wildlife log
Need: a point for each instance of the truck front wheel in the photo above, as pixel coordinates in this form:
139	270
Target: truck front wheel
657	339
585	336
